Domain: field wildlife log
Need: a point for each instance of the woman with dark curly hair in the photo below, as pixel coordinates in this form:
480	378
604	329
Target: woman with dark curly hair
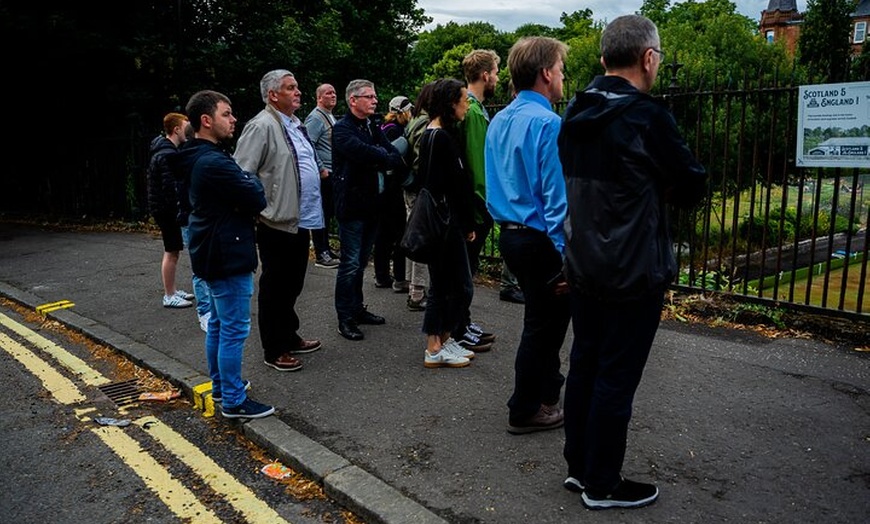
443	173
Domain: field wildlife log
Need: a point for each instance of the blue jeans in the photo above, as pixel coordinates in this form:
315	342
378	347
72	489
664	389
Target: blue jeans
612	341
533	258
200	287
228	329
357	238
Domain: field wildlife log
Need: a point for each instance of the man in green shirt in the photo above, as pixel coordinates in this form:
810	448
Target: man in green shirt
480	68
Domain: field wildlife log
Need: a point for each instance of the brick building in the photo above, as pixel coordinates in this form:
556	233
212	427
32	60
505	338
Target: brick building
781	22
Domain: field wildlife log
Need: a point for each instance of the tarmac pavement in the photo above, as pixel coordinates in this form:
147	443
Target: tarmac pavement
732	427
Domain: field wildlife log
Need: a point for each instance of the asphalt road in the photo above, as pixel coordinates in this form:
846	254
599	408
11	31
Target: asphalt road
61	465
731	426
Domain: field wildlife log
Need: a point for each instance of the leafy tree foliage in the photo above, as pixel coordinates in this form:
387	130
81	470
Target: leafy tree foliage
824	42
432	46
861	65
112	71
583	36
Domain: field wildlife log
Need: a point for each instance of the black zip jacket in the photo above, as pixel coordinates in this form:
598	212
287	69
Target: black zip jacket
359	150
624	161
225	204
162	195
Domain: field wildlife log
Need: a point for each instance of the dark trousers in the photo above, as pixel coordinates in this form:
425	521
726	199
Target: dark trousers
535	261
612	341
357	238
320	237
391	227
450	287
284	261
475	248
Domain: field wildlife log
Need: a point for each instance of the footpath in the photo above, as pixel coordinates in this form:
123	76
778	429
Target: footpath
732	427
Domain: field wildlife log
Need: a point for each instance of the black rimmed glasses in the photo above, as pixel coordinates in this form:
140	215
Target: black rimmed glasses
370	97
660	52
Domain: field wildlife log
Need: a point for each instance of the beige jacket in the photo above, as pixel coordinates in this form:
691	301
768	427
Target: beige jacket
264	150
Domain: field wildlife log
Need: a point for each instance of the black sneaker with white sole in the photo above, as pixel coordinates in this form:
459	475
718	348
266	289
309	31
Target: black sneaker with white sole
572	484
472	342
627	494
247	409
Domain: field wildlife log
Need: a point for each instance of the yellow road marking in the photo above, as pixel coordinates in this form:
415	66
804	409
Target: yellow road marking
173	493
237	494
88	375
58	385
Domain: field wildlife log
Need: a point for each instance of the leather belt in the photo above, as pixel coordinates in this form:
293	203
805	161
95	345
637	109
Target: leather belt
513	225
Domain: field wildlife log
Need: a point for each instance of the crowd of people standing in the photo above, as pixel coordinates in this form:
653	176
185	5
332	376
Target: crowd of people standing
580	201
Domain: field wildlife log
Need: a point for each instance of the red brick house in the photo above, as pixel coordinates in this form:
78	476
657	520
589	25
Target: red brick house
781	22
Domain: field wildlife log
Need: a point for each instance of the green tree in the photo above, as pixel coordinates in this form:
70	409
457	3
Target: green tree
824	42
431	46
450	65
861	65
582	34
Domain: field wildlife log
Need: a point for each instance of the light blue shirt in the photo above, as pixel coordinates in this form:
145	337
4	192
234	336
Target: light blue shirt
310	210
524	180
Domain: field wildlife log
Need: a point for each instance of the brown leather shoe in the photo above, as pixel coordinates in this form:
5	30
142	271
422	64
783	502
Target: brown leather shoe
305	346
547	417
285	363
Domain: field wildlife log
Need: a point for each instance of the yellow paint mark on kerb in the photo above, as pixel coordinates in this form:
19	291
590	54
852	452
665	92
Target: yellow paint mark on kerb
173	493
58	385
76	365
54	306
240	496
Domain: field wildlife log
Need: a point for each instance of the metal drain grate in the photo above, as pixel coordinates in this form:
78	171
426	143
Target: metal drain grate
122	393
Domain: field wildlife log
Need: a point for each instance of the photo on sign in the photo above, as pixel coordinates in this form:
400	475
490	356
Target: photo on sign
834	125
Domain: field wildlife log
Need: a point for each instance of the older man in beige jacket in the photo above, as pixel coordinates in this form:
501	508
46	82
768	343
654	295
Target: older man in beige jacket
275	146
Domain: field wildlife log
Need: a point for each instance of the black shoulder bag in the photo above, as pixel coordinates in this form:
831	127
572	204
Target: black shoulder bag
427	222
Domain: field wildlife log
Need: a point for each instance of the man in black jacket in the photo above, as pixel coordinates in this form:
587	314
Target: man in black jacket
163	204
624	162
359	150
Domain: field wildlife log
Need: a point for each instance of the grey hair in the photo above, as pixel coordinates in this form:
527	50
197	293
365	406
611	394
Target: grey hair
625	39
355	87
271	81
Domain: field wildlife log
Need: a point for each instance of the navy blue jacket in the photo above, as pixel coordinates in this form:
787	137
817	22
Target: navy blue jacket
225	202
624	162
359	150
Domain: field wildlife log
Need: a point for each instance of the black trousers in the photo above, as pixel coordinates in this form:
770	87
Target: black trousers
612	341
535	261
284	261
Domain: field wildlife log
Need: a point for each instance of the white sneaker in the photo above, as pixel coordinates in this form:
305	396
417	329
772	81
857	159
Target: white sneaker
203	321
175	301
456	348
444	359
184	294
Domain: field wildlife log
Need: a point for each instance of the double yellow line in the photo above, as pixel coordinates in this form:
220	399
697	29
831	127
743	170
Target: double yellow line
178	498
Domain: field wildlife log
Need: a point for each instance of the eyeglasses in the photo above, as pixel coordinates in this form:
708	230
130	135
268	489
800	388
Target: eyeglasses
660	52
370	97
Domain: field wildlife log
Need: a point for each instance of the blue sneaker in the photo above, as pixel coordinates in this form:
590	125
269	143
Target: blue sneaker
217	397
248	409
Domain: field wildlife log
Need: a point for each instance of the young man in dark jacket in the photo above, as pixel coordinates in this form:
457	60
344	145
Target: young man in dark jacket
226	201
624	161
163	205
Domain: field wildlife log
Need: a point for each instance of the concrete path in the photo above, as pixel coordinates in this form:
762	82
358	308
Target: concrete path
732	427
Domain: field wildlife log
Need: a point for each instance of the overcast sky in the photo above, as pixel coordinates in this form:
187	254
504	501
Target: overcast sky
507	15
